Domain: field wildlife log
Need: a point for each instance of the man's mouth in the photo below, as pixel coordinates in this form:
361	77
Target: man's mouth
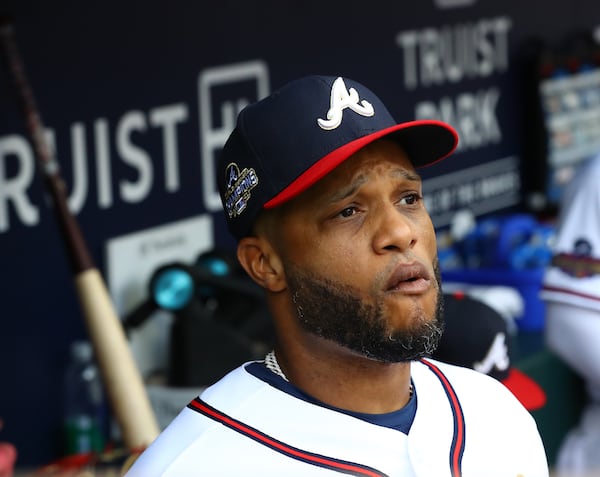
409	278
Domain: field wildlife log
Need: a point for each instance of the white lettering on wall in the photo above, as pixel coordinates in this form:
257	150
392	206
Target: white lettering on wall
451	56
482	189
100	145
473	114
14	189
79	190
103	169
137	189
168	117
452	53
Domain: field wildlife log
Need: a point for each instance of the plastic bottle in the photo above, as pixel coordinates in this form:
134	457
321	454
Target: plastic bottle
84	407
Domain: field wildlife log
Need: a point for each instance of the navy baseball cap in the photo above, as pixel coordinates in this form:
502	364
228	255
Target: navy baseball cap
476	336
283	144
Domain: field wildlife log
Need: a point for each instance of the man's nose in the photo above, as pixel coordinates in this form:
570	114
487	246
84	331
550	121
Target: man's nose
393	230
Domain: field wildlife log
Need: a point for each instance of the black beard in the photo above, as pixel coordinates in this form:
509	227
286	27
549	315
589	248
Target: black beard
335	312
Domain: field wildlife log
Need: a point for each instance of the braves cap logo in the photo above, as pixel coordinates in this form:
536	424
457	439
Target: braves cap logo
239	185
497	356
342	98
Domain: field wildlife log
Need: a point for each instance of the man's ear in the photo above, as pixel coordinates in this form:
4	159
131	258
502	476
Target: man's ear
262	263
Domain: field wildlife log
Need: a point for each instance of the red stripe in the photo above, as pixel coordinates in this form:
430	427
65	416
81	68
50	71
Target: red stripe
460	431
247	430
571	292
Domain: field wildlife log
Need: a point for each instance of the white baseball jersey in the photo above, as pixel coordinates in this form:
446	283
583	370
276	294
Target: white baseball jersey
574	277
254	423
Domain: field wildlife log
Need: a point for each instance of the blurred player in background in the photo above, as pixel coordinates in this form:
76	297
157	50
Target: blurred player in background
572	294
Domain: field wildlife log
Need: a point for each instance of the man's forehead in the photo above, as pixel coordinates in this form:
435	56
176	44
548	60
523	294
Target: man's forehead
384	154
348	178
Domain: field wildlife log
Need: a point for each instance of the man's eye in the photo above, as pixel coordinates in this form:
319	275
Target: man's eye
410	199
347	212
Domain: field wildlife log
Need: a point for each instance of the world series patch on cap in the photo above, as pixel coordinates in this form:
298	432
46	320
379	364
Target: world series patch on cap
476	336
286	142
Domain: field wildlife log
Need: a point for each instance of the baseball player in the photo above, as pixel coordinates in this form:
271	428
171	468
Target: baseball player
320	188
571	291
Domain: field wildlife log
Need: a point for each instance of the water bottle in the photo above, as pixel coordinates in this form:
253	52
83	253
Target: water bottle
84	402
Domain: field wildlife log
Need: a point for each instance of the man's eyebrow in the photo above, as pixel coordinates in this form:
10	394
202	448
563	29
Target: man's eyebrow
347	191
408	175
351	188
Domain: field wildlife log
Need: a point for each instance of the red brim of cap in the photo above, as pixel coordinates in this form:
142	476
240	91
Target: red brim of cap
525	389
442	140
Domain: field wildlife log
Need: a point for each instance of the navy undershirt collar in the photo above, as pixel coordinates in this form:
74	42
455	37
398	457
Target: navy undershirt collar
401	420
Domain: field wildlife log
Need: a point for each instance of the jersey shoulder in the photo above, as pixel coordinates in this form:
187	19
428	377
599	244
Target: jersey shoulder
482	398
494	422
232	391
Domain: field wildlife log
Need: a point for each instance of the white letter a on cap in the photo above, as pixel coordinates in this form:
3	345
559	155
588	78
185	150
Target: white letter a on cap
342	98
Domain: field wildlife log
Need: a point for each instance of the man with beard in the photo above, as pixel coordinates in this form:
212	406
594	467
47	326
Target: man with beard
320	188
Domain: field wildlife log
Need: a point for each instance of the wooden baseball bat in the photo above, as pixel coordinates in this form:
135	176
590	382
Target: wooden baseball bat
121	378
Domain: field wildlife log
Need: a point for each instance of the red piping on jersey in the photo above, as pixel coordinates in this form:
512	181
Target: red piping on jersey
570	292
458	441
322	461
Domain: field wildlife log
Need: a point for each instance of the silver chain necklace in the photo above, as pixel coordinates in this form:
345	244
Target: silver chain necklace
272	364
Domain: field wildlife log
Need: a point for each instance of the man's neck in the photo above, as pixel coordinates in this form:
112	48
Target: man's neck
346	380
